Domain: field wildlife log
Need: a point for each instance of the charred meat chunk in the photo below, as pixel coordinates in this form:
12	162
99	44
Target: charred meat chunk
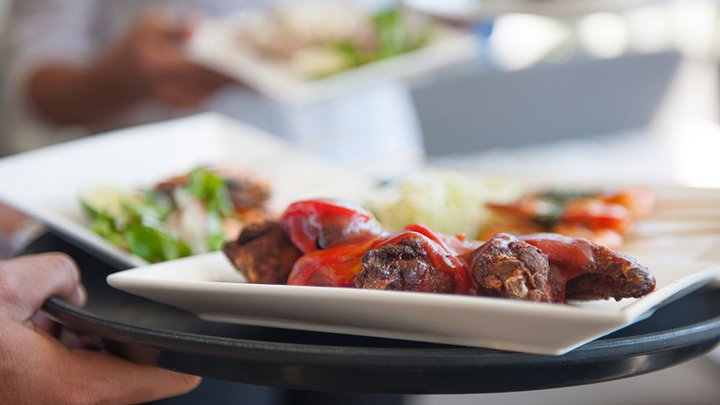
263	253
405	263
507	267
246	193
593	271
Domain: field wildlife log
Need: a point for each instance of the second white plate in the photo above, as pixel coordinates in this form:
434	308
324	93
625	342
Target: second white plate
46	183
216	45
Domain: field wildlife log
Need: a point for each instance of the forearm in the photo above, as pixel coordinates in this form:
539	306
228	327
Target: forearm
85	96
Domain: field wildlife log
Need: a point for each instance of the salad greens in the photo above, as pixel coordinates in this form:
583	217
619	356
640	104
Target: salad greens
163	224
554	203
392	37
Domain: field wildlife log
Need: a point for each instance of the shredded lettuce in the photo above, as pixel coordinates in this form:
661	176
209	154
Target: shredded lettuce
445	201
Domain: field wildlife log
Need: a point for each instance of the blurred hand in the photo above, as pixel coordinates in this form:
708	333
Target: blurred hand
153	50
37	369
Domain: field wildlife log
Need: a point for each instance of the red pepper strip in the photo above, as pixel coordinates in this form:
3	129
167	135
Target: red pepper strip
322	224
455	244
572	256
333	267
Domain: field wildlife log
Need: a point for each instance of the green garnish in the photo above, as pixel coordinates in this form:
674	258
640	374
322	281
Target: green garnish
148	223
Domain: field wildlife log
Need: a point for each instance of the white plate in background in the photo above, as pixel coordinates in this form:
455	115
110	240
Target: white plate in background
208	286
45	184
475	10
216	44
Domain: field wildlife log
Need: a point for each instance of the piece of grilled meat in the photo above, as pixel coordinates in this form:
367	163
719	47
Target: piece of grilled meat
404	265
592	271
247	194
263	253
554	268
507	267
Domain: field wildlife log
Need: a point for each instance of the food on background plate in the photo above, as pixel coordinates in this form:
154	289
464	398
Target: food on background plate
192	213
446	201
319	40
452	203
604	217
338	244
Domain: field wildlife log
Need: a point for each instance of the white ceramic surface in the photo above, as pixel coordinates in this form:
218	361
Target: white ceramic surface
45	183
471	10
208	286
215	44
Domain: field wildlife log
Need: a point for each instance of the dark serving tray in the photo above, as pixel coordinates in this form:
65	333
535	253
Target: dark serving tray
148	332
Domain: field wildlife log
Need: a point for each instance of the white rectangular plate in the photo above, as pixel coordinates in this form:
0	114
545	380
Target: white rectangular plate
216	45
208	286
45	184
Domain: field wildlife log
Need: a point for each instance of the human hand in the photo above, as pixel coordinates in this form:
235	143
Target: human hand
153	52
37	369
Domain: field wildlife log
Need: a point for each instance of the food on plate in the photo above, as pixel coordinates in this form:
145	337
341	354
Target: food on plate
444	200
452	202
604	217
193	213
338	244
552	267
263	253
414	259
320	40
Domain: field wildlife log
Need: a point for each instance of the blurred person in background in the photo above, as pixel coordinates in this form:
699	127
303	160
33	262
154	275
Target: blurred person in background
77	67
95	65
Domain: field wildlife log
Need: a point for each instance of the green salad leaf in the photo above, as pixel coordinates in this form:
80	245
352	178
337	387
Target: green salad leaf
154	245
393	37
212	190
151	223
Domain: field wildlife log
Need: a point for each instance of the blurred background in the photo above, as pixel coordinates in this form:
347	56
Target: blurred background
556	90
577	72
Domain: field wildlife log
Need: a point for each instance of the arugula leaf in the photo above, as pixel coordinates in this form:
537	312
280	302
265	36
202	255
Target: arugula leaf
154	245
104	226
212	190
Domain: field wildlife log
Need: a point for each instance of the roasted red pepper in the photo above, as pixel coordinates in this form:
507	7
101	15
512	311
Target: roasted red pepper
323	224
336	235
596	214
457	244
334	267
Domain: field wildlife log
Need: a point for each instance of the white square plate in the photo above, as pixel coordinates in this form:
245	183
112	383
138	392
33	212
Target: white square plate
216	44
45	184
479	10
208	286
